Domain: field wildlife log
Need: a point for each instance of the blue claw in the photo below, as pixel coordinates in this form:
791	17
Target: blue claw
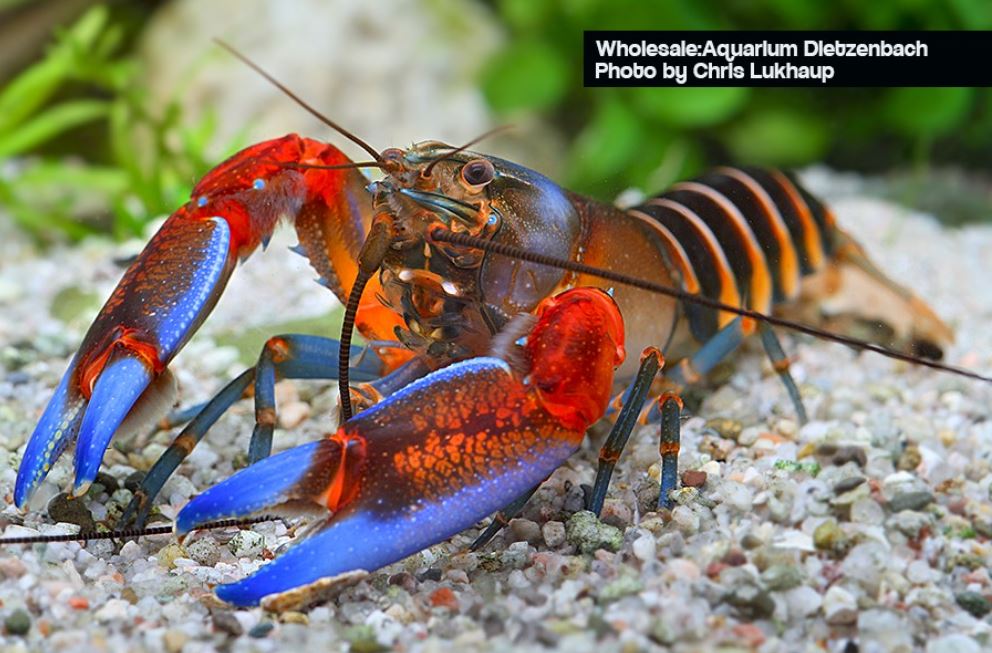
291	474
357	539
120	384
54	431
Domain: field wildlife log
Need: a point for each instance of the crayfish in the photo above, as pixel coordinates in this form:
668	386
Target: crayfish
497	306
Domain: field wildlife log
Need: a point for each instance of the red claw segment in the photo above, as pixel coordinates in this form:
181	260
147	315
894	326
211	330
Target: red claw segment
433	458
576	344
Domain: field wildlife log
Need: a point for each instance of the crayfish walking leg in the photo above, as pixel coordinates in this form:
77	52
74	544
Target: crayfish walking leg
286	356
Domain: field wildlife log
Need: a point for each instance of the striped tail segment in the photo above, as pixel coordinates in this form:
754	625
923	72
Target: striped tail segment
744	236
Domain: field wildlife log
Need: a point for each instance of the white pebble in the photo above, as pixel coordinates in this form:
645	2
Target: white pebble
246	544
112	610
793	539
839	606
802	601
644	547
685	519
955	643
737	495
919	572
867	511
131	551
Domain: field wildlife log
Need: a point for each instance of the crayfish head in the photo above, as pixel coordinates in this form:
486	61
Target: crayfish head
573	349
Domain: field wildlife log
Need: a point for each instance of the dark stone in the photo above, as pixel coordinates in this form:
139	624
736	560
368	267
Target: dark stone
916	500
431	574
134	480
17	622
261	629
849	453
751	602
109	483
224	621
848	484
976	604
63	508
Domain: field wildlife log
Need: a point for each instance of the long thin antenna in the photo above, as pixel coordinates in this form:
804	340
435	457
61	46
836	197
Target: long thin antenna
296	98
129	533
369	260
444	236
340	166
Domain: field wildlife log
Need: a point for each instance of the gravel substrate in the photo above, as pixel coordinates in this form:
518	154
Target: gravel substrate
865	530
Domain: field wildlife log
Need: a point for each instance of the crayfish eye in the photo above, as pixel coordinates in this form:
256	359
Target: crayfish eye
478	173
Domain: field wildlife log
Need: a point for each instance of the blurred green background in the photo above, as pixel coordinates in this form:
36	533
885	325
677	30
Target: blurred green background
83	149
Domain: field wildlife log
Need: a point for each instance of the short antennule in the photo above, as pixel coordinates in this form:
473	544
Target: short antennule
444	236
296	98
461	148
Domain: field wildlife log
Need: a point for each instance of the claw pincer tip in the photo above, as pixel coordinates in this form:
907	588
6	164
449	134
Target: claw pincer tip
117	389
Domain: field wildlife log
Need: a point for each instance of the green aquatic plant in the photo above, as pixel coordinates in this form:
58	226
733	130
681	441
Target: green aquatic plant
649	137
81	150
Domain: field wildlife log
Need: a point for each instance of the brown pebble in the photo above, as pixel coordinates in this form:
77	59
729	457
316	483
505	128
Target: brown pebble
225	622
294	617
443	597
173	640
12	568
727	428
717	448
910	458
694	478
315	593
734	558
750	635
525	530
714	568
616	513
751	541
405	580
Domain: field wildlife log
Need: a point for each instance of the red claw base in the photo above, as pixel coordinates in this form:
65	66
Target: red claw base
435	457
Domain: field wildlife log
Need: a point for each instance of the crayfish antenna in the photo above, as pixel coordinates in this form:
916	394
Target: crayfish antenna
296	98
512	251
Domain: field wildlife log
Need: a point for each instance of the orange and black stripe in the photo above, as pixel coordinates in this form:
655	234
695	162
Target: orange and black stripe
744	236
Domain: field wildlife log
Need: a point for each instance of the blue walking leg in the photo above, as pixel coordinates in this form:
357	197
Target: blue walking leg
609	454
502	518
297	357
780	363
141	503
671	427
288	356
691	370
